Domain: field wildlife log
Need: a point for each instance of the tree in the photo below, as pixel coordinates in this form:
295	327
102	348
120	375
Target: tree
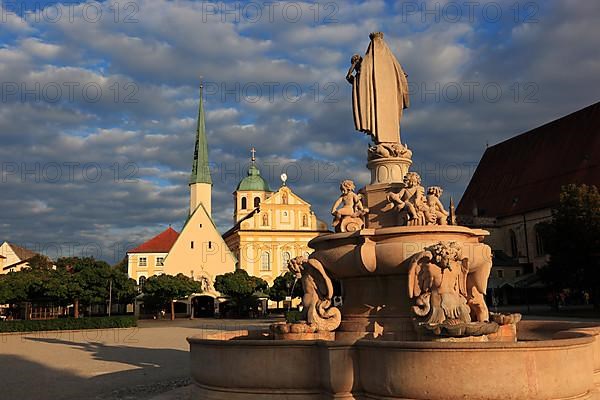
40	261
573	241
73	279
164	289
282	287
87	281
241	288
122	265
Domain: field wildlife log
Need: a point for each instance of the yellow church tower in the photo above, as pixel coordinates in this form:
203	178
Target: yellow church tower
200	180
250	192
271	227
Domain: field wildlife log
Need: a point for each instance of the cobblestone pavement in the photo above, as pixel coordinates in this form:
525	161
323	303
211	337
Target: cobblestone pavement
110	364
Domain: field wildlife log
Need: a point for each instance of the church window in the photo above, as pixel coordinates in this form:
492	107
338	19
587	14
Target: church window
265	221
256	202
192	244
142	281
539	242
160	261
265	261
514	249
286	258
143	262
304	220
244	203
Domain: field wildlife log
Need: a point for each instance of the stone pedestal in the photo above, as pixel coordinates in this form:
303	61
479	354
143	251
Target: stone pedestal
388	170
387	175
373	309
375	199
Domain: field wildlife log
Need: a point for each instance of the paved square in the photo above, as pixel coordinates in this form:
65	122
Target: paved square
111	364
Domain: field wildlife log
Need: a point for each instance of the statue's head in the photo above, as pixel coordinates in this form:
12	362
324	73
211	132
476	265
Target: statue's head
347	186
376	35
412	179
435	190
355	58
445	253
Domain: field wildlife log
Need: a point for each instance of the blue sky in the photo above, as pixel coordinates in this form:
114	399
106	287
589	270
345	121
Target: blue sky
99	101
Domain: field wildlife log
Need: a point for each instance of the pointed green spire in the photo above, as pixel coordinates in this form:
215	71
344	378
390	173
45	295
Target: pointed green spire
200	169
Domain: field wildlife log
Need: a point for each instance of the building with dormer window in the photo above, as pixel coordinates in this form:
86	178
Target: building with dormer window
271	227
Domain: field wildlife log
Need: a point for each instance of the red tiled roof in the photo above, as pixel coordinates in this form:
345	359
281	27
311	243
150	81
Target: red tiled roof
526	173
160	243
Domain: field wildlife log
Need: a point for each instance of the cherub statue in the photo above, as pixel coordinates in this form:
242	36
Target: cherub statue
350	217
318	290
437	278
436	212
410	201
449	288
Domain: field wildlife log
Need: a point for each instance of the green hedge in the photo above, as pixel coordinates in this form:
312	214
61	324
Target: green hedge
68	324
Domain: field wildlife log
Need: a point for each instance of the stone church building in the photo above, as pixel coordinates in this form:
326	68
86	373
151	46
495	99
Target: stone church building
271	227
198	251
517	184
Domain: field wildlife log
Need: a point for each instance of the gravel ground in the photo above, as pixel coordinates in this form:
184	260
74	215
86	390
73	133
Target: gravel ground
111	364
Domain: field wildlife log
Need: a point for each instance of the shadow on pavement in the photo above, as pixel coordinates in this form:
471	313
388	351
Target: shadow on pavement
154	371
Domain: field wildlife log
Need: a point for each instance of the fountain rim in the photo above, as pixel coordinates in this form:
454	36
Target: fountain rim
400	231
575	339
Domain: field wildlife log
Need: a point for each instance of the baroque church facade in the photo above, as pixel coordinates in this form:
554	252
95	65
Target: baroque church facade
270	226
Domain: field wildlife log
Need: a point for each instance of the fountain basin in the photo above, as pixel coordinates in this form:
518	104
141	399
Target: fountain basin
386	251
562	368
373	264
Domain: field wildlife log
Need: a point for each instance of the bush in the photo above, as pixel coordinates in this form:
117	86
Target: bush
68	324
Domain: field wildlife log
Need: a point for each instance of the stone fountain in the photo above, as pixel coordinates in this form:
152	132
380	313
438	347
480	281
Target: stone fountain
414	322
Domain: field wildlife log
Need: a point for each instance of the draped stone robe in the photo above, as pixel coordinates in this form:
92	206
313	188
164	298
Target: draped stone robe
379	93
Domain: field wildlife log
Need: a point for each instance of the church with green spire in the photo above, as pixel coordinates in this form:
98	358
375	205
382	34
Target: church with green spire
200	180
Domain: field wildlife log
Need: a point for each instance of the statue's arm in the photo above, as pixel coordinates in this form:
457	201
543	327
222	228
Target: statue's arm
336	205
349	77
441	206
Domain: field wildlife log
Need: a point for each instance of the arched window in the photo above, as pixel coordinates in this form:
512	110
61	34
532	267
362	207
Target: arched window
514	248
304	220
265	261
244	203
142	282
539	242
265	219
286	257
256	202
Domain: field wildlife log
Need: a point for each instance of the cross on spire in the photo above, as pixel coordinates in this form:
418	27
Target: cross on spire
253	151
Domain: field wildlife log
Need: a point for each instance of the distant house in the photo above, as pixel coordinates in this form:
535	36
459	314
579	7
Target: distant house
14	258
517	184
148	258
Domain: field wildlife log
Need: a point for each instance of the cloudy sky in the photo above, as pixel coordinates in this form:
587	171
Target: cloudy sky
99	101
